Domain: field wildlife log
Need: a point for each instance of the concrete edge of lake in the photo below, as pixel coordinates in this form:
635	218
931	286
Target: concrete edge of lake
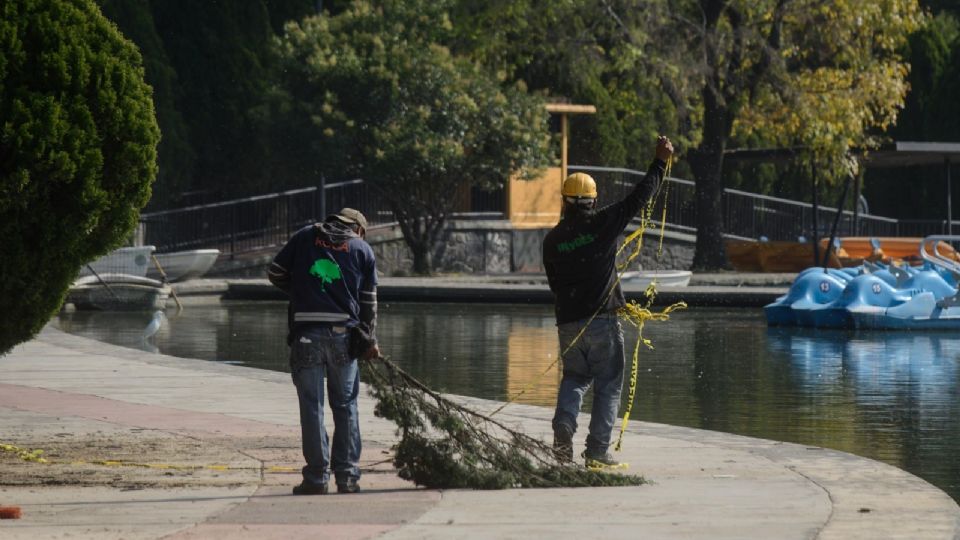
144	445
714	290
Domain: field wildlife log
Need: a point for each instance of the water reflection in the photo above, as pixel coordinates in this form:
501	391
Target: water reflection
533	374
248	333
874	369
886	395
461	349
879	365
478	351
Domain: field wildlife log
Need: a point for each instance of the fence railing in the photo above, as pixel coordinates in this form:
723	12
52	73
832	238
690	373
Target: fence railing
231	226
751	215
266	221
926	227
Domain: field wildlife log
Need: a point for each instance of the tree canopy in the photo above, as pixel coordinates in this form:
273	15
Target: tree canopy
78	142
375	93
574	49
827	76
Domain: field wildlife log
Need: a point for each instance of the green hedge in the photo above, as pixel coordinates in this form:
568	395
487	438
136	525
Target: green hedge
78	140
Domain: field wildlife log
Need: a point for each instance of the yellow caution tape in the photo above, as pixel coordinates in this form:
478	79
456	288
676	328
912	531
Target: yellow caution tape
638	315
599	466
23	453
176	467
35	456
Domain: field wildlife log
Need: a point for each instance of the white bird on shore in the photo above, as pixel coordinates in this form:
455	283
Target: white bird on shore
155	323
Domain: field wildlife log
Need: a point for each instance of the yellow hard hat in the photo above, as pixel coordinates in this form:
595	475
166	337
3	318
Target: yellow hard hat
580	185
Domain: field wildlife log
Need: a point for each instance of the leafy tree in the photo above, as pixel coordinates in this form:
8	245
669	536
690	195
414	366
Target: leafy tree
825	75
282	11
376	94
78	141
573	49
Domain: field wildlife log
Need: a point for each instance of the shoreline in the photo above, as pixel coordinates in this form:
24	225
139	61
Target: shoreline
734	292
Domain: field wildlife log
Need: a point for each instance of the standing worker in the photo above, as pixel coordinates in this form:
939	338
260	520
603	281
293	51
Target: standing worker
330	273
579	256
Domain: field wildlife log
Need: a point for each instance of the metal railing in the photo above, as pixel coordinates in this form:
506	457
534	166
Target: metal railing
231	226
926	227
267	221
747	215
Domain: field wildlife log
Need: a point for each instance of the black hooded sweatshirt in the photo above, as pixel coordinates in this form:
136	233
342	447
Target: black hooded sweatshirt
579	254
331	276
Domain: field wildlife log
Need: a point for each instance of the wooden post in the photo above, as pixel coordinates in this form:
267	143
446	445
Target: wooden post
564	110
816	210
322	214
564	136
836	220
946	167
858	182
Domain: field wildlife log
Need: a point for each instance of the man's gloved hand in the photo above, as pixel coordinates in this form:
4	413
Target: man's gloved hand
372	352
664	149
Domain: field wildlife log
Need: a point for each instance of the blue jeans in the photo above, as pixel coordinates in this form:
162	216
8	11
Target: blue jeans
596	358
319	353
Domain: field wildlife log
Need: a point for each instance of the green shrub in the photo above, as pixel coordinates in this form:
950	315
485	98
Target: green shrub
78	140
376	93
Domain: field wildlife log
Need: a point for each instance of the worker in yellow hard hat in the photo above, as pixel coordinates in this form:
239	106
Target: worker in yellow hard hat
579	256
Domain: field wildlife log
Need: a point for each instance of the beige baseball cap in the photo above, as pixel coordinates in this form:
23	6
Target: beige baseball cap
349	215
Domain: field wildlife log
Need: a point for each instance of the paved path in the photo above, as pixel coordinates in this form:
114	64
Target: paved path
151	446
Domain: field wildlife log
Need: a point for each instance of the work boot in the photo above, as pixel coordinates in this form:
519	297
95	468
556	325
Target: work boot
349	485
563	442
309	488
600	460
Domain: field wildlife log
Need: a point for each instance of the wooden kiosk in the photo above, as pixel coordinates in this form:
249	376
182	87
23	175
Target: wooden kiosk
535	203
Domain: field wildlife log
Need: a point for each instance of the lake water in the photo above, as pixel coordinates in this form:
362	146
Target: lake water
891	396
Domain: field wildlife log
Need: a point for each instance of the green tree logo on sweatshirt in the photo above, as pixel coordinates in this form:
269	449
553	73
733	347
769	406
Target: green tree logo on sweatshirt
578	242
326	270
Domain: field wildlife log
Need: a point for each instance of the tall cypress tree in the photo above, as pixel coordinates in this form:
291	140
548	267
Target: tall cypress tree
78	143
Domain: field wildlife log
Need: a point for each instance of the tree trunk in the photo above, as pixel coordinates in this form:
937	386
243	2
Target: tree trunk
421	235
707	165
422	258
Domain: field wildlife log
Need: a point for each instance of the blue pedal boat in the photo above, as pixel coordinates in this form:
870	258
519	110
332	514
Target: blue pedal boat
879	297
814	287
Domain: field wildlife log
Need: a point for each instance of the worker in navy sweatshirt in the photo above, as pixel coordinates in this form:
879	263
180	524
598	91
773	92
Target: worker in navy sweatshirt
330	273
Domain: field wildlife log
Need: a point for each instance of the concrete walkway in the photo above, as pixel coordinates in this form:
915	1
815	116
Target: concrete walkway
151	446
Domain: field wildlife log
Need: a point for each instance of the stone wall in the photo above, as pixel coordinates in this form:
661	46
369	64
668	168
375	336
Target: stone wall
677	252
472	247
467	247
495	247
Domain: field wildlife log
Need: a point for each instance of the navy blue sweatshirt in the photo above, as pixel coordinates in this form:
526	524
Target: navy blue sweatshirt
579	254
331	276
